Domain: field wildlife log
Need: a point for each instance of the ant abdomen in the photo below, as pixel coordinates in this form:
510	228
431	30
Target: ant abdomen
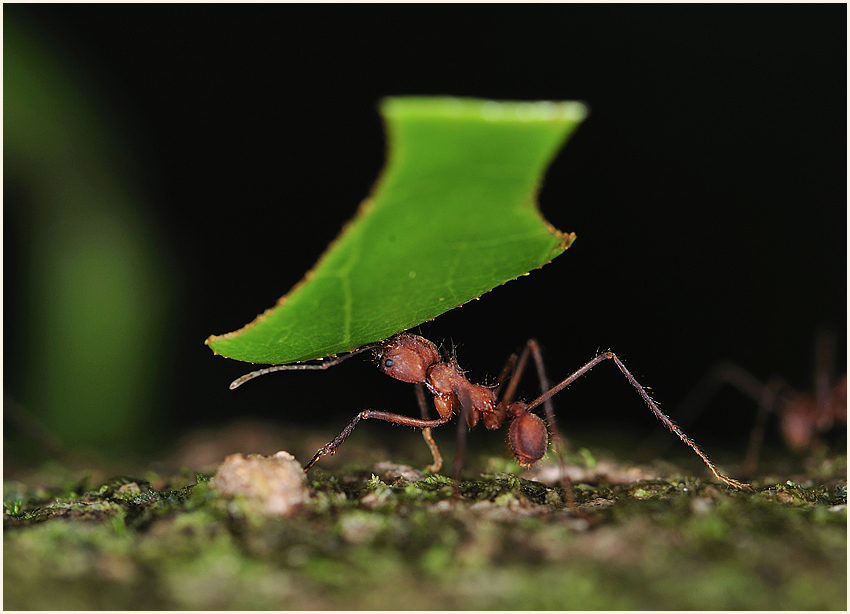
527	435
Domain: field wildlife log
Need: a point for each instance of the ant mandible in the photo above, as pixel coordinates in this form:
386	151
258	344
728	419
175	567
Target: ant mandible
416	360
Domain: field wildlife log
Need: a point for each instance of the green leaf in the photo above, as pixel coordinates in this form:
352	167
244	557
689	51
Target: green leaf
453	215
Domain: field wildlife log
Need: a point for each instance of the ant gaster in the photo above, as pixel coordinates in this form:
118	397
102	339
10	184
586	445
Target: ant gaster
416	360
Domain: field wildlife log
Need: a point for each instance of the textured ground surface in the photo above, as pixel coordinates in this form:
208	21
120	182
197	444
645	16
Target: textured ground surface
383	536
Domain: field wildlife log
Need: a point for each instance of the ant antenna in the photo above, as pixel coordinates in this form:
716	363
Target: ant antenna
299	367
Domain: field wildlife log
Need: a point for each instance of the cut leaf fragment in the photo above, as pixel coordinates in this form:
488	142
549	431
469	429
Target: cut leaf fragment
453	215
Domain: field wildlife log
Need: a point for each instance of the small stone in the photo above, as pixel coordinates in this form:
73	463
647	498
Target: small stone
390	472
276	484
129	489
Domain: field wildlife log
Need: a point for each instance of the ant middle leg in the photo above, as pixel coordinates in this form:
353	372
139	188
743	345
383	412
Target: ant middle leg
426	432
533	348
463	425
507	374
511	373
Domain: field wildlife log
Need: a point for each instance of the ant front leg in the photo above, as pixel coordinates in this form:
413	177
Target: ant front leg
331	447
653	406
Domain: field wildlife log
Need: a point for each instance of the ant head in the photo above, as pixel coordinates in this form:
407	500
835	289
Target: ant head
527	435
407	357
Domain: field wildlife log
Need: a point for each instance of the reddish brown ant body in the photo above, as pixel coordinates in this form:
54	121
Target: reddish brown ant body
416	360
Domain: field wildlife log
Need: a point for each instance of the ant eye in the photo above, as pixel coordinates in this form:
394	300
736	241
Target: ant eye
388	363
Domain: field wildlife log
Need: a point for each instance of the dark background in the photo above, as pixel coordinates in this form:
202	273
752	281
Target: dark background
707	187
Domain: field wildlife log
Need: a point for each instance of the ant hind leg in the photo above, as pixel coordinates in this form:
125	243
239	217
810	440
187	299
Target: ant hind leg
653	406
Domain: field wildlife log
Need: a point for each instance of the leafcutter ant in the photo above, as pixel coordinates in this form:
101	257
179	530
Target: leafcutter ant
416	360
803	417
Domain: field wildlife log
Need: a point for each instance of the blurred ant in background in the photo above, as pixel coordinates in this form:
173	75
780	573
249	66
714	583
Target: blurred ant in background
804	418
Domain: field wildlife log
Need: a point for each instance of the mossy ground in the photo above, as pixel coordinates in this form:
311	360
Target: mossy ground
386	537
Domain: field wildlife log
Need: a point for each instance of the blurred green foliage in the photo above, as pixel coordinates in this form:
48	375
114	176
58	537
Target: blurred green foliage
90	294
